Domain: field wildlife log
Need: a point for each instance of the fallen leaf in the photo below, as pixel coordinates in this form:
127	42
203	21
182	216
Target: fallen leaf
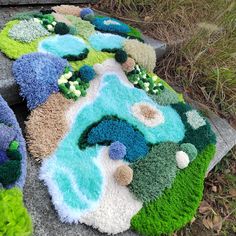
232	192
207	222
217	223
204	207
193	219
147	18
214	189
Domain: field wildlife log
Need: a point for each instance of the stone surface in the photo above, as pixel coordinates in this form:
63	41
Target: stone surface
31	2
226	138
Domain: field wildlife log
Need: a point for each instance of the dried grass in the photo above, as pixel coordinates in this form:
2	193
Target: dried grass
201	34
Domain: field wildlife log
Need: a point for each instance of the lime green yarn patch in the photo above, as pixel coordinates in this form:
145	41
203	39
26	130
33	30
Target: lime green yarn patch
177	206
135	33
12	48
14	218
83	28
92	58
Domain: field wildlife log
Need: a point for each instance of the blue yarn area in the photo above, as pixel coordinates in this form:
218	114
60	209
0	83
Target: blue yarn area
3	157
101	41
70	163
62	45
119	130
86	11
7	134
37	75
117	150
87	73
108	24
7	117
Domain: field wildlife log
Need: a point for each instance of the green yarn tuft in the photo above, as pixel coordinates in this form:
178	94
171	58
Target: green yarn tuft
13	145
166	97
83	28
79	57
92	58
14	218
177	205
10	171
121	56
26	15
155	172
190	149
61	28
12	48
200	137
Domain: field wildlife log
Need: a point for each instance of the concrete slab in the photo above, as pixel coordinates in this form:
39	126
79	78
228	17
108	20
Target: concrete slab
8	87
226	138
34	2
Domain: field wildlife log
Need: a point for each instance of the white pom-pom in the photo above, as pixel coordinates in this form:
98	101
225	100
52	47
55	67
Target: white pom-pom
182	159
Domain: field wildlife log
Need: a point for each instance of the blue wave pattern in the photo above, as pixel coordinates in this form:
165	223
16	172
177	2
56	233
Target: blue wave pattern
75	173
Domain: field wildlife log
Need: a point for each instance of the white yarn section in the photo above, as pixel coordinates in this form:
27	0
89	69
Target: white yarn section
194	119
182	159
66	213
117	205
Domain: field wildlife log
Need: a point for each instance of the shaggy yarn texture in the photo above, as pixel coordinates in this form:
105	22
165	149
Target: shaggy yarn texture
37	76
63	45
145	55
27	31
15	49
83	28
8	118
67	10
46	126
118	147
14	219
7	134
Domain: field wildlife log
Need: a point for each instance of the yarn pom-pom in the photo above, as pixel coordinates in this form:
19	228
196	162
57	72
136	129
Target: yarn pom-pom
182	159
121	56
190	149
85	12
124	175
61	28
86	73
129	65
117	150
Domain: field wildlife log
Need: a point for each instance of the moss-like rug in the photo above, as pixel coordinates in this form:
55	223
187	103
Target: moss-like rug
118	147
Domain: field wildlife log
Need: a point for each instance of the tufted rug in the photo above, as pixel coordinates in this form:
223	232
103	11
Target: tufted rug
118	147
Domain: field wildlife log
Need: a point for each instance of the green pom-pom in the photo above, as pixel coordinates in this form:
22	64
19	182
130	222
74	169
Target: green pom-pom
121	56
14	154
14	218
10	171
190	149
61	28
13	145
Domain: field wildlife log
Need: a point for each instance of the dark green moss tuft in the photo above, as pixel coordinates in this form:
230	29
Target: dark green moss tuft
79	57
200	137
121	56
61	28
